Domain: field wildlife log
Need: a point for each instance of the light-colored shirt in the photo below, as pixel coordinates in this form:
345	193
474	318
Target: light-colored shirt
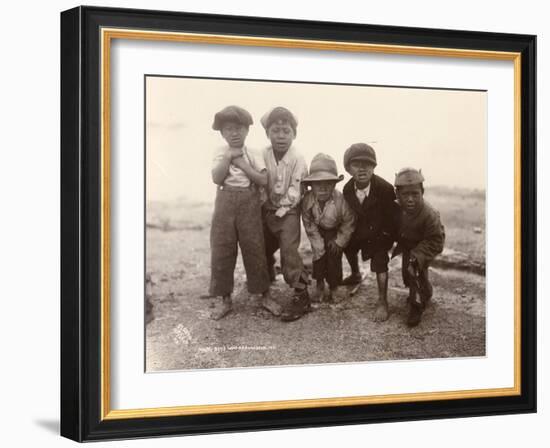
237	177
336	214
362	193
284	187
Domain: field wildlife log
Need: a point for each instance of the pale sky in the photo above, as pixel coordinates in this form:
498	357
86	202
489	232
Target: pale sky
443	132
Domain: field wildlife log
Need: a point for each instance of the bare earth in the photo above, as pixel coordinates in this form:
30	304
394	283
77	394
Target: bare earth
181	335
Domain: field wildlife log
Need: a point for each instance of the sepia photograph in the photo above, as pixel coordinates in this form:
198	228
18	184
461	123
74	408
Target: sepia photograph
302	223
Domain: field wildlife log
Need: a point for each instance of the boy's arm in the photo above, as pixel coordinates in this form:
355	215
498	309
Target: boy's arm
312	231
256	176
432	242
390	229
220	167
347	227
294	192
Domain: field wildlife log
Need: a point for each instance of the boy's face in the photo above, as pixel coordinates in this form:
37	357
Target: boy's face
281	136
410	198
234	134
362	171
323	189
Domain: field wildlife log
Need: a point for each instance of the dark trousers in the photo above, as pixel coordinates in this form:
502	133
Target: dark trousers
237	220
328	267
284	234
420	287
379	258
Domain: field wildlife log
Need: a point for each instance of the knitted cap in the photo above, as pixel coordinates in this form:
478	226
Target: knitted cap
408	176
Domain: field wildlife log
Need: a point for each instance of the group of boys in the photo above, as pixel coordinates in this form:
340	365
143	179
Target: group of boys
261	198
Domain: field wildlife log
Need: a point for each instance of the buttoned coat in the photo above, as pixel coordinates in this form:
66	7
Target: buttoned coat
377	217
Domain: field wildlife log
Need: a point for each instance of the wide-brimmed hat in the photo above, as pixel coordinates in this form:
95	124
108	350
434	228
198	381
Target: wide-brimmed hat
323	167
233	114
279	114
408	176
359	151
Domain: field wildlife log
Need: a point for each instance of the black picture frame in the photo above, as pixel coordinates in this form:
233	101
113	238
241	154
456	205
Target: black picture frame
81	209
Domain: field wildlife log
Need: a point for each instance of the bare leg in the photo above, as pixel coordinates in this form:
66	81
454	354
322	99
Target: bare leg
381	314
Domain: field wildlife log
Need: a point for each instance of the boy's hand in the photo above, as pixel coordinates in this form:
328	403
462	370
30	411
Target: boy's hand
234	153
239	162
334	249
281	211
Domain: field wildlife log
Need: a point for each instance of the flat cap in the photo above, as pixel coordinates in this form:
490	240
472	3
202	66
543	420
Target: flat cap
359	151
408	176
279	114
233	114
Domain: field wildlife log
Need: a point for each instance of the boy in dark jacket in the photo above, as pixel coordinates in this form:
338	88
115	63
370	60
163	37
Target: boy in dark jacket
373	201
421	239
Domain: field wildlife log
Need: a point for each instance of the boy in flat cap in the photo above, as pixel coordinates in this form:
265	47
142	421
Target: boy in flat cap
373	201
421	238
237	218
285	170
329	223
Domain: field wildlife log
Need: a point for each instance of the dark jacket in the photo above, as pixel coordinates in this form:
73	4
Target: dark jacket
421	236
377	217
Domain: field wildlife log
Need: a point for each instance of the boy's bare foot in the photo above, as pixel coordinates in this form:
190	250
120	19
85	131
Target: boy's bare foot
226	308
381	314
271	305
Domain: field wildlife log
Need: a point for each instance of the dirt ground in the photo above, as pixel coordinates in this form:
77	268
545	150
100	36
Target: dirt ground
181	335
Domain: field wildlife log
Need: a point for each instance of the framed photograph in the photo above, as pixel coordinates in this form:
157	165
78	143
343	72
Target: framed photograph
273	223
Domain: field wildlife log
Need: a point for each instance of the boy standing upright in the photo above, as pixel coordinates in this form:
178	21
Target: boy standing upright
421	239
237	219
285	170
373	201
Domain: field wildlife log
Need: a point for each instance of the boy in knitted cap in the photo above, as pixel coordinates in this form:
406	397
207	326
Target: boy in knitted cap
329	223
238	172
281	214
421	239
373	201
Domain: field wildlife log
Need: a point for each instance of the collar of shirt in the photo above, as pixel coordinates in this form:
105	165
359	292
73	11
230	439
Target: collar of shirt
311	201
286	158
362	193
365	191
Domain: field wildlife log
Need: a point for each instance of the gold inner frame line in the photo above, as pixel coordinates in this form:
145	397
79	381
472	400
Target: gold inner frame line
107	35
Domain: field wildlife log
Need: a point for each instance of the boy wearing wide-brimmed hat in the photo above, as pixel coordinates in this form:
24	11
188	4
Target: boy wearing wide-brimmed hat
238	172
373	201
286	168
329	223
421	238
